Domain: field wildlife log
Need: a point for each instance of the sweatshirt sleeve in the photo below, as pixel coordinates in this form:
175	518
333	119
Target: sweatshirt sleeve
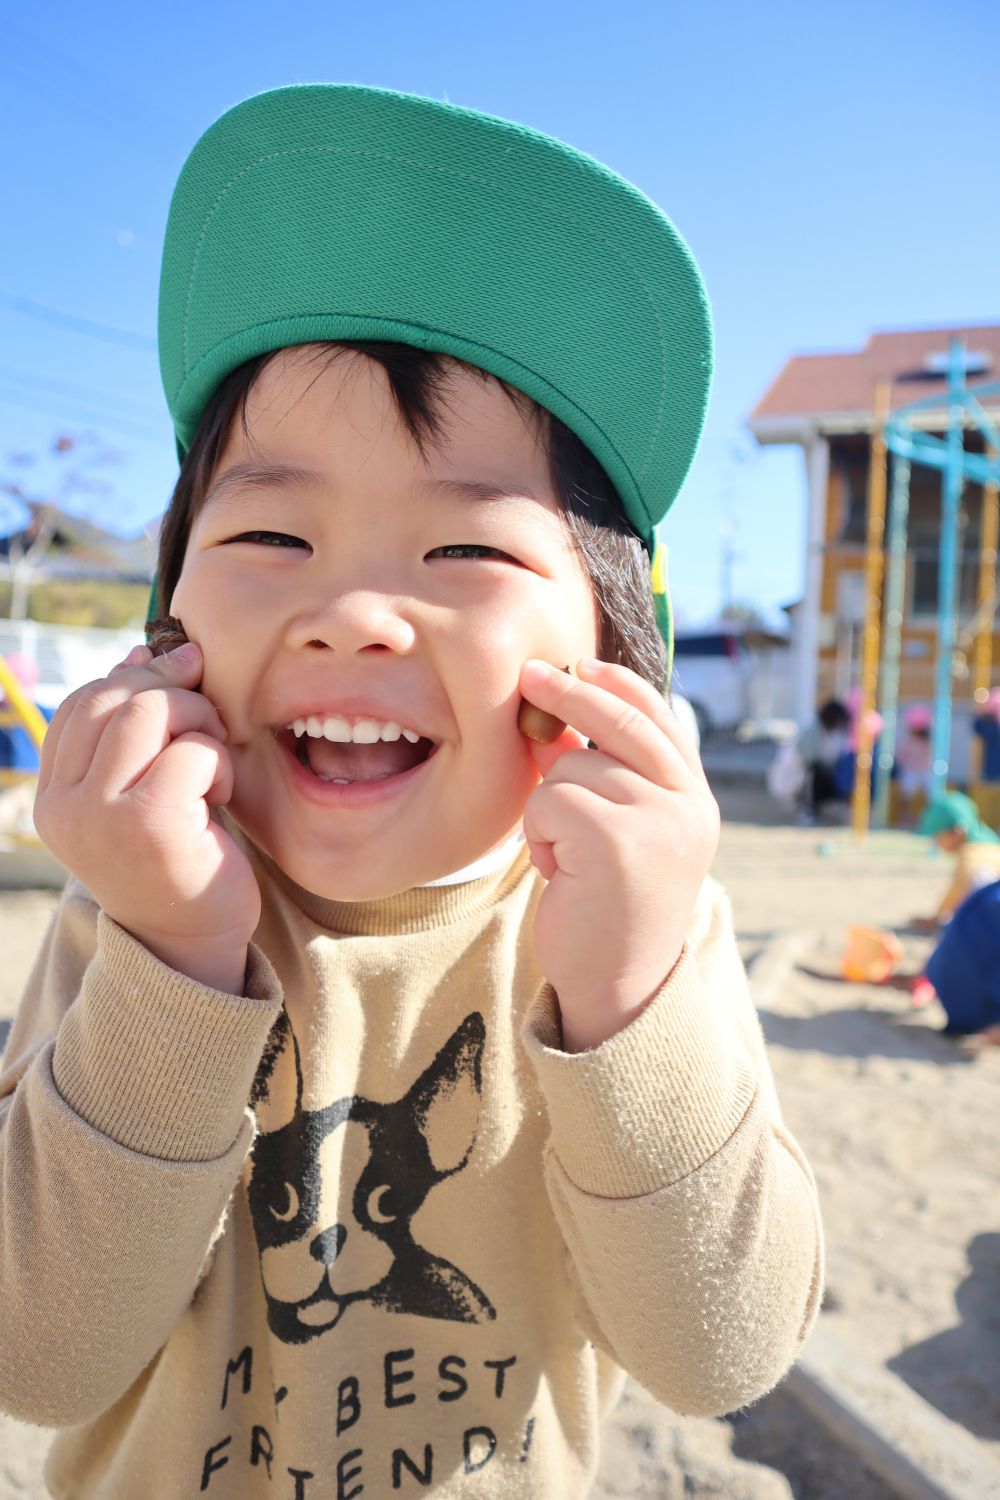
689	1211
124	1127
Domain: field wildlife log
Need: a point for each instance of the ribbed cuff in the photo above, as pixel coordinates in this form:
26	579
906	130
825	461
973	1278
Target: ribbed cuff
652	1103
154	1060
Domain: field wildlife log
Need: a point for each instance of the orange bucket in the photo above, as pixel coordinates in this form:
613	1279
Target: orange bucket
870	955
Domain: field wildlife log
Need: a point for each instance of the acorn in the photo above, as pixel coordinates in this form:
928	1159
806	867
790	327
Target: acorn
165	635
535	724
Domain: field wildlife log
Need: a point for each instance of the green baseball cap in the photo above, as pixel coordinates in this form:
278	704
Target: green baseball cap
333	211
952	810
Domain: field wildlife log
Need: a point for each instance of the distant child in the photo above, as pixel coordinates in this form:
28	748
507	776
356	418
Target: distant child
986	725
913	762
952	821
821	749
388	1083
964	969
845	769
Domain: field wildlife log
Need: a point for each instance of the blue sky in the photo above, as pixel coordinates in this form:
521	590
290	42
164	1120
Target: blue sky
828	166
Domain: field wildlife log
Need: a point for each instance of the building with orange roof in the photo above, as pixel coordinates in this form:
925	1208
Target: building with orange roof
823	403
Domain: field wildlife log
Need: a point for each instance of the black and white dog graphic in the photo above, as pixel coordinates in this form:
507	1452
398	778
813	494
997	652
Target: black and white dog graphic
334	1190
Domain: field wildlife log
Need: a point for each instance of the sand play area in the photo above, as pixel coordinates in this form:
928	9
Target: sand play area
901	1127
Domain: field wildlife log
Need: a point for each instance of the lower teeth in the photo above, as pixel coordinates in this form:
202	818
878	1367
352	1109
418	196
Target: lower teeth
346	780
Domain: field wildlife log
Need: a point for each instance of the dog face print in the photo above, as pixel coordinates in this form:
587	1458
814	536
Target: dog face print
334	1190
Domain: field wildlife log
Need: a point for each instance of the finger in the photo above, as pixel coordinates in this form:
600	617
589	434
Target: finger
138	656
192	766
597	773
542	858
143	727
631	728
53	735
572	821
93	707
641	694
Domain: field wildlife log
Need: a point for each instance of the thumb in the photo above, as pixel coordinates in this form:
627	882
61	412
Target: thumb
178	661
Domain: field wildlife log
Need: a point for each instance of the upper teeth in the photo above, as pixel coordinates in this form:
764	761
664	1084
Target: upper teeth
362	732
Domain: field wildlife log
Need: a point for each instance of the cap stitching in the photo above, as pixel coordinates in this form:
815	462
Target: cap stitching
451	172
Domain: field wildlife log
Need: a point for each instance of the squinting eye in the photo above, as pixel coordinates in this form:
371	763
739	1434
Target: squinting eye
462	550
270	539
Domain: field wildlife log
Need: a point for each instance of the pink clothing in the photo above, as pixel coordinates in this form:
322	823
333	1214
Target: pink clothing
914	754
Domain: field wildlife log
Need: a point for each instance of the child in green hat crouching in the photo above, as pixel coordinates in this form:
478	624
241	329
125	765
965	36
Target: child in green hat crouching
388	1084
952	821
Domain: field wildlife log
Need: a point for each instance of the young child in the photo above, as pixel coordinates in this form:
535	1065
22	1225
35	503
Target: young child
821	748
914	763
388	1083
952	821
963	972
986	727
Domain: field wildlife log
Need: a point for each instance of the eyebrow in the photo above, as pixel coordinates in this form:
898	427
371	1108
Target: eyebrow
482	489
256	475
249	475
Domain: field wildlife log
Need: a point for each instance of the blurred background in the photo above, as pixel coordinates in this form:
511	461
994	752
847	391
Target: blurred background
831	169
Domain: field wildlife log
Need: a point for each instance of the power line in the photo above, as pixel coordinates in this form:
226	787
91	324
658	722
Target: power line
70	388
88	326
77	413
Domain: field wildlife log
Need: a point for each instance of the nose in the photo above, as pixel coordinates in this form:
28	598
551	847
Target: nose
352	621
328	1244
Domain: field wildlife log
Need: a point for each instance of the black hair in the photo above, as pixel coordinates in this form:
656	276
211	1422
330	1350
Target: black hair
833	715
610	550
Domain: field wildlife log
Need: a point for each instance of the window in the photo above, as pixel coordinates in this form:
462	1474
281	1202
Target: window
924	565
851	470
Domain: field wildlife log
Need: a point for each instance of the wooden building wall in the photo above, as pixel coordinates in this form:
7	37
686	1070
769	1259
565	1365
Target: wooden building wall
844	571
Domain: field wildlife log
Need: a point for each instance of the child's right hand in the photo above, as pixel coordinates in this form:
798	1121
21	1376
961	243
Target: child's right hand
131	767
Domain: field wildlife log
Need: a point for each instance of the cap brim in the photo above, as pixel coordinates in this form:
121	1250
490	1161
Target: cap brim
325	212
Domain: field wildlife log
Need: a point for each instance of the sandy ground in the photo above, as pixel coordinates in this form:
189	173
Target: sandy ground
897	1122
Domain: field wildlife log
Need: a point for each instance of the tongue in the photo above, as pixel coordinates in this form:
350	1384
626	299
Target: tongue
362	762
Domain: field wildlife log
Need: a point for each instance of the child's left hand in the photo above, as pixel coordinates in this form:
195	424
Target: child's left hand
624	835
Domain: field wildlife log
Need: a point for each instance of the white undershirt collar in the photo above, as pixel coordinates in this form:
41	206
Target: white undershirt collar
494	859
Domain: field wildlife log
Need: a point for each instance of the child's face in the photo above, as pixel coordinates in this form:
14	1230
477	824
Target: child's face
335	572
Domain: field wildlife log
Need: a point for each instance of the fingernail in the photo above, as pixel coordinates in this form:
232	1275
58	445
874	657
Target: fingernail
187	652
536	671
136	655
591	664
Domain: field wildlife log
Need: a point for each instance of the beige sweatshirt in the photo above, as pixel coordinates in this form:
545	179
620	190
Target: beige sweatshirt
421	1260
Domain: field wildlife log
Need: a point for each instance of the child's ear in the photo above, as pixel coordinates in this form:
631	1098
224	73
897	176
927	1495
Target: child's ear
445	1100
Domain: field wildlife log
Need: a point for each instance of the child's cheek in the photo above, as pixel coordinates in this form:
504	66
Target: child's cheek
208	617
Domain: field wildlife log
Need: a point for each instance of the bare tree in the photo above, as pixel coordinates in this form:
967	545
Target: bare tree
78	458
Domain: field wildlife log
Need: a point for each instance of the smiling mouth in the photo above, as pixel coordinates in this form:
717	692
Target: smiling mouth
347	763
